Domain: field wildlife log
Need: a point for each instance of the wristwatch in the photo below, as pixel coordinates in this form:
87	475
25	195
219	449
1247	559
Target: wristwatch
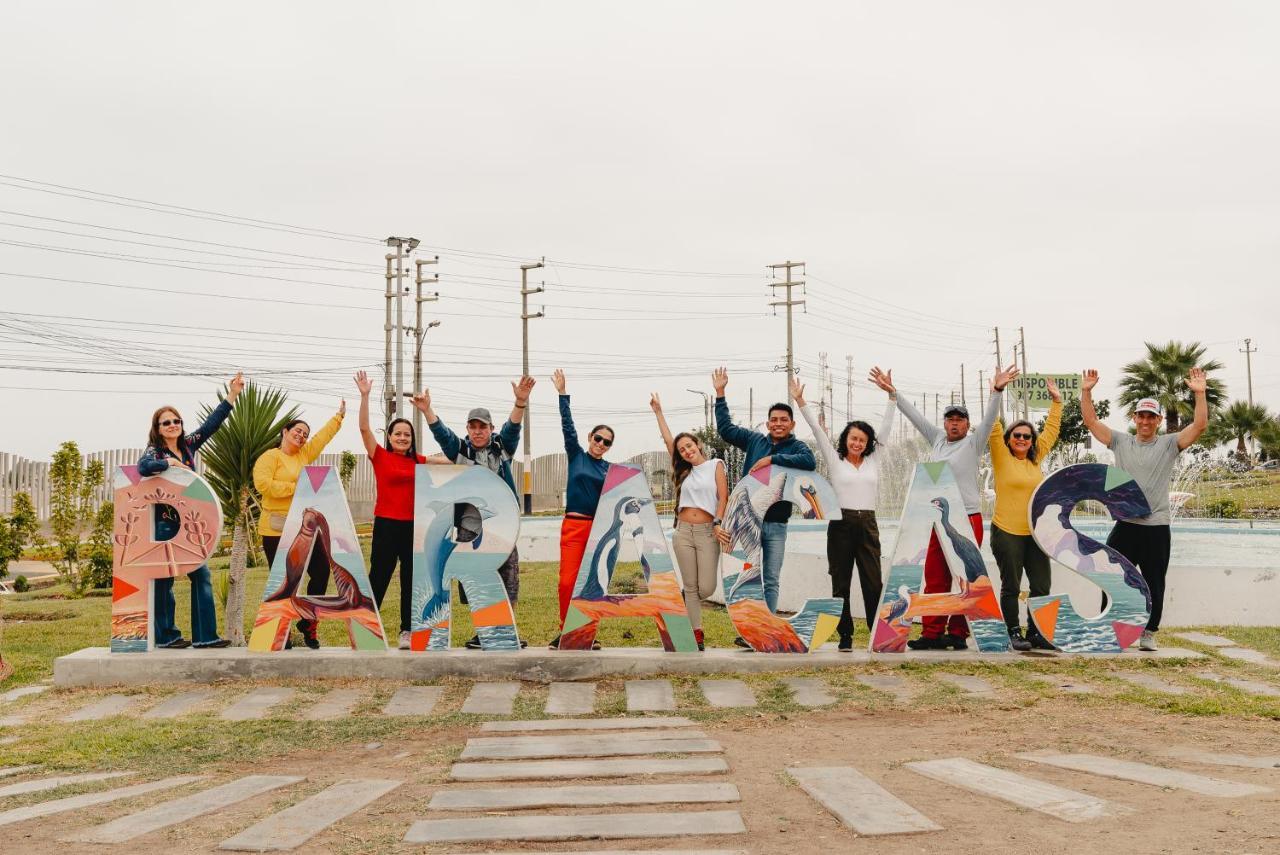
715	522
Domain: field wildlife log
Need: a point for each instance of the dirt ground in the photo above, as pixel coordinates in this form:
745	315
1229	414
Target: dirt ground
782	818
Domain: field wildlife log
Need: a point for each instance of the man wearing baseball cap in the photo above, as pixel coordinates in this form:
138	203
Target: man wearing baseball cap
483	447
954	444
1149	457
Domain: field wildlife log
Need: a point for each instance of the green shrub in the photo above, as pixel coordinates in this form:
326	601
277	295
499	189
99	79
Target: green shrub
21	585
1227	509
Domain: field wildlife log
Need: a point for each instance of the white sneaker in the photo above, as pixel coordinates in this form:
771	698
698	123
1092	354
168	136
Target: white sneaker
405	645
1148	641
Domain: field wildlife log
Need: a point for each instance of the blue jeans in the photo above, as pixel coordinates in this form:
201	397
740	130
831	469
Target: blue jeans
204	618
773	545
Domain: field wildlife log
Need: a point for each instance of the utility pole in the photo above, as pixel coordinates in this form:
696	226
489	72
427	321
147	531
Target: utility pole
706	405
751	407
525	317
822	392
937	406
982	391
848	388
998	366
403	246
420	332
1026	397
789	303
388	397
1249	351
964	398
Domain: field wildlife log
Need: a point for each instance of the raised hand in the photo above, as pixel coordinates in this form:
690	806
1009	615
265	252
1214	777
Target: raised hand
422	402
363	383
883	379
1089	379
1197	382
1052	389
557	377
235	387
342	407
719	380
797	389
522	388
654	403
1004	377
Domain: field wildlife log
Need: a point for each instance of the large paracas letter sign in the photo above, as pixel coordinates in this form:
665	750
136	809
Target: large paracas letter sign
319	519
138	558
934	505
1130	600
438	558
625	510
744	591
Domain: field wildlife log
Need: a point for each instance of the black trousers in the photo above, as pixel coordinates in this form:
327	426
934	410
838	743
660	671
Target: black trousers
392	542
1147	547
317	567
1014	554
854	538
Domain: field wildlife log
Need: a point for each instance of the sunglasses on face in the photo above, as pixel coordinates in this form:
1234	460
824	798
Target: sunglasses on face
171	423
605	441
1020	435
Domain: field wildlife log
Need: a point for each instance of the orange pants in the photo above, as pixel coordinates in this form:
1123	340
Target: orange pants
574	533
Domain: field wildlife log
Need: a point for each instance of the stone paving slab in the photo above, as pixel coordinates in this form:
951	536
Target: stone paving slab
90	799
491	698
6	771
1144	773
571	699
620	745
22	692
1247	654
414	700
182	809
294	826
1238	760
859	802
727	694
900	687
580	827
102	708
650	696
1063	684
12	721
809	691
1250	687
1163	653
587	724
179	704
1152	683
1020	790
257	703
39	785
623	852
597	795
969	684
1206	638
336	703
578	769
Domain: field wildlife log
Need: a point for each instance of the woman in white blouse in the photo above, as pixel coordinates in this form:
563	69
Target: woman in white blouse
854	538
702	492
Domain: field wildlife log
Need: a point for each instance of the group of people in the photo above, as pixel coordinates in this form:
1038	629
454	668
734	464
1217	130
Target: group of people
702	493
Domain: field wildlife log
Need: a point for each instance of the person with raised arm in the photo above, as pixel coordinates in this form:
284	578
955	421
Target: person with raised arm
779	446
702	493
854	473
275	475
954	444
168	446
1016	457
585	484
1149	456
482	446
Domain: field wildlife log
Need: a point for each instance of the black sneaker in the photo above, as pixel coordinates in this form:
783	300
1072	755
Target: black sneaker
177	644
523	644
955	642
308	630
846	644
473	643
555	643
595	645
1017	642
1039	642
924	642
742	642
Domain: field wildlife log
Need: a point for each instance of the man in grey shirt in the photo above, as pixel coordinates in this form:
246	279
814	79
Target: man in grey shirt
1149	457
954	444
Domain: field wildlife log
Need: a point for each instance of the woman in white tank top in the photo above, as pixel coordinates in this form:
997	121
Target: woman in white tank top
702	492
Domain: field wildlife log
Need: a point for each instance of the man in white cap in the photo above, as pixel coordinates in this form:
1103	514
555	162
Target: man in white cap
483	447
1149	457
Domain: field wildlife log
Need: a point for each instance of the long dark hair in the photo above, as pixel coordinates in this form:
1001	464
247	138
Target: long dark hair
156	441
1035	436
680	468
842	447
412	453
290	425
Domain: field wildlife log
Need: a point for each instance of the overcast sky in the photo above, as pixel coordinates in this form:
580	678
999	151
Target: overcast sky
1098	173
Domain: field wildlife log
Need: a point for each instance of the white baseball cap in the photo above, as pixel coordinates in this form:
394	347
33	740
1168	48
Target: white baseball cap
1149	405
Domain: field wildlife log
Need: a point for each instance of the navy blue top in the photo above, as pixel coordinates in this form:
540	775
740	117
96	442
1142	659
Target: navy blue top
790	452
155	460
586	473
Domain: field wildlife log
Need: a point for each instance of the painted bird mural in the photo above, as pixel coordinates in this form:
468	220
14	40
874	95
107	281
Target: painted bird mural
605	557
974	568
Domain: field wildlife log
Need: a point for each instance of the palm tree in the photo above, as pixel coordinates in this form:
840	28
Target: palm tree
253	427
1163	374
1238	421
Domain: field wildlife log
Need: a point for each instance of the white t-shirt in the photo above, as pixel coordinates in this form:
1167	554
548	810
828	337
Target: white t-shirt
699	487
856	486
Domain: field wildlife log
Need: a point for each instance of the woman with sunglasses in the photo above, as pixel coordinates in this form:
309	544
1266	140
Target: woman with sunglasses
168	446
1016	456
702	494
854	538
276	474
587	469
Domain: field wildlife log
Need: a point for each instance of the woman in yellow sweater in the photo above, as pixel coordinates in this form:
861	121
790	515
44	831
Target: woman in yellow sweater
1016	455
275	474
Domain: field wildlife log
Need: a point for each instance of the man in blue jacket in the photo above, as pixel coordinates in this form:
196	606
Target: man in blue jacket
483	447
779	446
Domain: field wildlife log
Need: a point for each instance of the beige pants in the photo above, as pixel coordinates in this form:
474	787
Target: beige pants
698	554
